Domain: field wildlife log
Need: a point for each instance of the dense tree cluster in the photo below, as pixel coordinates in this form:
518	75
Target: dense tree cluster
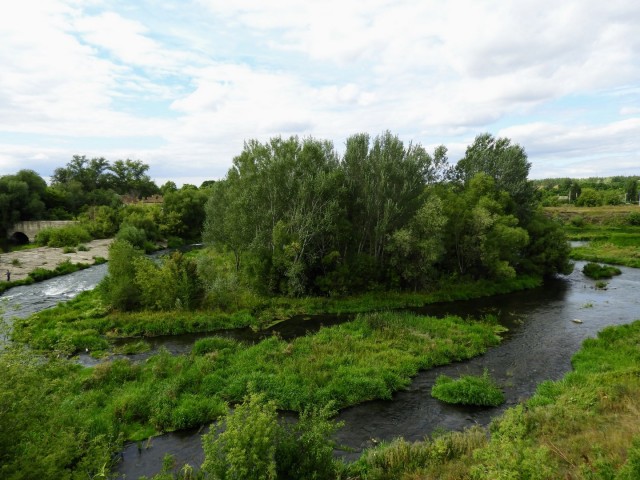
588	192
91	190
300	219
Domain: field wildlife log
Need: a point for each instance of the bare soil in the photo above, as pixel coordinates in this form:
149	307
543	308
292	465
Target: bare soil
21	262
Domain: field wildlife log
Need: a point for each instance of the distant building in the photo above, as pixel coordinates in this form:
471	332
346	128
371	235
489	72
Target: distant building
132	199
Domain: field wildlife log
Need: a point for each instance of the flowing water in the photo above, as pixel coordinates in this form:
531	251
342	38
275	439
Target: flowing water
541	339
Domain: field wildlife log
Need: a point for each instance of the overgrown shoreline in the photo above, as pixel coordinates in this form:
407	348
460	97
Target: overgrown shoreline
85	323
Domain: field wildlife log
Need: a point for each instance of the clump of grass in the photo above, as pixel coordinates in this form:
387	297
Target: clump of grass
597	271
468	390
16	262
68	250
99	260
83	248
600	285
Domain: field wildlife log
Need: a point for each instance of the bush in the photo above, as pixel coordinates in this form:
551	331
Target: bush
634	219
246	449
134	235
597	271
68	236
577	221
253	445
468	390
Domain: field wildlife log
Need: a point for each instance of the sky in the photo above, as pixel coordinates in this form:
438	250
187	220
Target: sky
181	85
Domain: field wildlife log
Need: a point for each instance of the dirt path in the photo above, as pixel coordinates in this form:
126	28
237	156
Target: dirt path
22	262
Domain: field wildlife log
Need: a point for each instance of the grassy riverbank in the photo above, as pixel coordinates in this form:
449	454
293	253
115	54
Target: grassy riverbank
585	426
59	420
85	323
613	232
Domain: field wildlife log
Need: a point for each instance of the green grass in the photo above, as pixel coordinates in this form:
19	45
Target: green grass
468	390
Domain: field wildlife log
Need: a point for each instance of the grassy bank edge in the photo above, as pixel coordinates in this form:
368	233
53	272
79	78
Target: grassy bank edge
84	323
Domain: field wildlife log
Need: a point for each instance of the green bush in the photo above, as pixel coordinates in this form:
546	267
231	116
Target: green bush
577	221
633	219
468	390
68	236
254	445
246	449
134	235
597	271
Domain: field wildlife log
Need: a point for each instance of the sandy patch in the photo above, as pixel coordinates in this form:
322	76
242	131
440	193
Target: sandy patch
22	262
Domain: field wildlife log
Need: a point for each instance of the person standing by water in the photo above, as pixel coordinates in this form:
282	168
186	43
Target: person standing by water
8	276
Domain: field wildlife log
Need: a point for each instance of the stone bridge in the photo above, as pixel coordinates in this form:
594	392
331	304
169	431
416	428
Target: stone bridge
25	232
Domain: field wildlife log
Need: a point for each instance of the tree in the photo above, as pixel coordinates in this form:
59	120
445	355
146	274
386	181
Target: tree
631	189
482	238
384	183
21	198
185	207
415	249
507	164
118	287
130	177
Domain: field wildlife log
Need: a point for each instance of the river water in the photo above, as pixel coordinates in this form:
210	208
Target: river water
541	340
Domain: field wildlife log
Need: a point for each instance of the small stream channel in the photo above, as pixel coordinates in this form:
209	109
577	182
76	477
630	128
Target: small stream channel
541	340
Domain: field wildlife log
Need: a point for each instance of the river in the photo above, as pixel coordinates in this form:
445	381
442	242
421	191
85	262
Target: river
541	340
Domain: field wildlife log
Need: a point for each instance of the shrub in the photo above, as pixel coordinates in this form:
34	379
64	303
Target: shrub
68	236
253	445
134	235
246	449
633	219
468	390
597	271
577	221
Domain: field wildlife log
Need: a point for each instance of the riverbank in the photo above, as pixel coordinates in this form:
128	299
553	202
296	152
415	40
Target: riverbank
22	262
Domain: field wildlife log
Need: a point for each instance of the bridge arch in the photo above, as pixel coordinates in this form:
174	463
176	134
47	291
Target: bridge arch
22	231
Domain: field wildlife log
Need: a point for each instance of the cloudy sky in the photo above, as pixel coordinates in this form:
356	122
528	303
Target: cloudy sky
181	85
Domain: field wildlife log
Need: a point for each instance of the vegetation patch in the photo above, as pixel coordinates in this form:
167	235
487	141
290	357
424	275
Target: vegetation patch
67	236
597	271
468	390
80	416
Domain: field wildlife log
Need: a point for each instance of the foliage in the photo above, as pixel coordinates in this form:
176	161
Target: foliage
393	460
299	220
468	390
506	164
44	430
21	198
172	285
64	268
597	271
67	236
250	443
118	287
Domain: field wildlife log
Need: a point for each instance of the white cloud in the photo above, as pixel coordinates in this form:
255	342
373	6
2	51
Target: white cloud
198	78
